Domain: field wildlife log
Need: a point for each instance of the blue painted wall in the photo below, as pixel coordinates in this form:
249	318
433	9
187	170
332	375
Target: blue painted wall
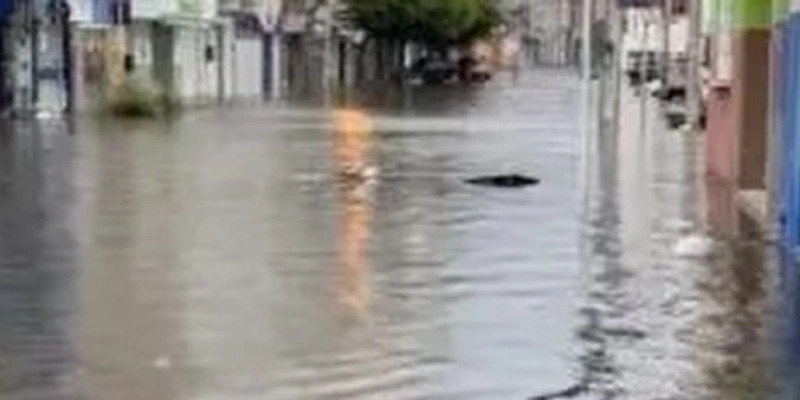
789	327
787	122
6	6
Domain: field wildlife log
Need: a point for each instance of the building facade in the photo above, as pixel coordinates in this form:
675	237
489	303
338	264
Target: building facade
252	50
195	51
550	33
34	38
752	99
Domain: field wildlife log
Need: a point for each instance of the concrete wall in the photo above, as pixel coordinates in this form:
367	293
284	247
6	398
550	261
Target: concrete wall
737	104
721	141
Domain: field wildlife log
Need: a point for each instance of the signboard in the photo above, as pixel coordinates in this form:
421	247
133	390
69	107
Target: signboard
152	9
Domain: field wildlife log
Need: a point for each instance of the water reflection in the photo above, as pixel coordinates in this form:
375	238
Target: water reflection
354	236
659	326
734	352
607	275
352	150
129	213
38	263
741	288
220	258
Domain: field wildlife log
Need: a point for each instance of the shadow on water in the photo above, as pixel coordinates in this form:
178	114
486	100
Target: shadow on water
38	263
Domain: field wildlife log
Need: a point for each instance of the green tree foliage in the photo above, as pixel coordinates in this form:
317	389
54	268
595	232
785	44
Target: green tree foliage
433	22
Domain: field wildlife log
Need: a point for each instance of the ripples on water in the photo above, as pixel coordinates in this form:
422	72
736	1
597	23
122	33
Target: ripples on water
216	258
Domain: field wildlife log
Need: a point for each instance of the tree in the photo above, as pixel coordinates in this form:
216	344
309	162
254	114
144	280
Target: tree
436	23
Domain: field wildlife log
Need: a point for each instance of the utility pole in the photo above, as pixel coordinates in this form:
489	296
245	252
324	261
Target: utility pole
588	94
643	70
586	38
31	29
666	57
693	91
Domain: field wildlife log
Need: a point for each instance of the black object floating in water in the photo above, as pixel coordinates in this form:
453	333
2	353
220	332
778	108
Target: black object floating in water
504	181
670	94
569	393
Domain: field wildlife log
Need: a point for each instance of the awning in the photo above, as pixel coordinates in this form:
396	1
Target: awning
188	21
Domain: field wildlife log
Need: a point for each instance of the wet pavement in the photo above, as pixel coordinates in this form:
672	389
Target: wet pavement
216	256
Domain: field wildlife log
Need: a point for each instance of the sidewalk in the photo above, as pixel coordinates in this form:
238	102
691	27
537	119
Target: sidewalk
640	127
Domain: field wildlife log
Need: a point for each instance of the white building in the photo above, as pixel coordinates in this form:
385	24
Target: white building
174	44
178	40
251	48
550	31
644	31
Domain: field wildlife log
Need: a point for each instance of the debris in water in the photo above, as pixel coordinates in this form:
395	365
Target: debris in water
162	362
568	393
504	181
694	246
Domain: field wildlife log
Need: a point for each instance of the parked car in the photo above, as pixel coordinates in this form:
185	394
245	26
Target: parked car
433	71
473	70
441	71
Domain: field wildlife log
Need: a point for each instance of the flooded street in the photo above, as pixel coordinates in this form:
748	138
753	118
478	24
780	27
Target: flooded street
216	257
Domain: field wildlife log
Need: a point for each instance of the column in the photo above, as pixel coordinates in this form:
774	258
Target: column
750	86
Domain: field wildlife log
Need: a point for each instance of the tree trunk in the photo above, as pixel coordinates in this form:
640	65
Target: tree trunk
401	57
380	59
